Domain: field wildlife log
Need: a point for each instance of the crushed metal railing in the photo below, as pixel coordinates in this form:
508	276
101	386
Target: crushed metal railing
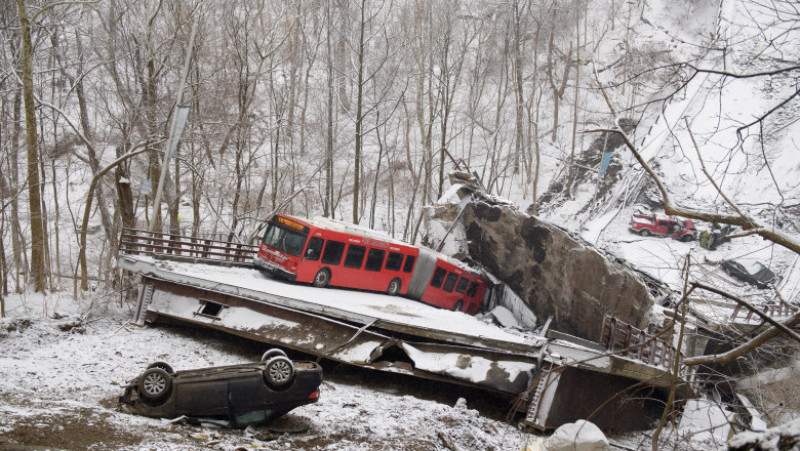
179	247
774	310
629	341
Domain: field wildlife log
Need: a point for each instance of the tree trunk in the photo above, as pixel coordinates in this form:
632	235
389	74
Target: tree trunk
17	248
3	271
558	91
122	179
327	205
359	112
518	84
377	174
570	177
31	144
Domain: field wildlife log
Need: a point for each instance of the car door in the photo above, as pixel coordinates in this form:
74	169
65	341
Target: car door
662	227
201	396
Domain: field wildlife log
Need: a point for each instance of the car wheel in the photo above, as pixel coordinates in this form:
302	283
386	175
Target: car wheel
154	384
279	372
163	365
394	287
323	278
457	307
272	353
644	232
687	238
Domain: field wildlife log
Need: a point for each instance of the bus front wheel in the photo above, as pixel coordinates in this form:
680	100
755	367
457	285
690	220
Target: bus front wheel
394	287
323	278
457	307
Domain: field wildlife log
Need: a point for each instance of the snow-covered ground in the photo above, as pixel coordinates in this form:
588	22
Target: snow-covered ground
60	379
63	366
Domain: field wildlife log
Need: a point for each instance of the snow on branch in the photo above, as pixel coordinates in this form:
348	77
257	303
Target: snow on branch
741	219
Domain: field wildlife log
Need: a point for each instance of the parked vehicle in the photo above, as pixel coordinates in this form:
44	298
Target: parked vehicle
325	253
663	225
245	394
754	273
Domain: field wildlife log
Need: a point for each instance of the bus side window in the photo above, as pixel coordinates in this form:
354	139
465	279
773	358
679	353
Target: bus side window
473	289
462	285
409	264
374	259
438	277
450	282
355	256
314	248
394	262
333	253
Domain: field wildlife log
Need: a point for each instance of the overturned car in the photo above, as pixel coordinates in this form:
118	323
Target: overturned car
239	395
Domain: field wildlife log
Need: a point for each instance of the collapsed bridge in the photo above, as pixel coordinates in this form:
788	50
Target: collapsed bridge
553	377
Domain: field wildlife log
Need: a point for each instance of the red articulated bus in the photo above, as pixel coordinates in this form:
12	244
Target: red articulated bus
324	252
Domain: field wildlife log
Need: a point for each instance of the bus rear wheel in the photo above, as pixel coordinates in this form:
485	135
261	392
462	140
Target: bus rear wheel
394	287
323	278
457	307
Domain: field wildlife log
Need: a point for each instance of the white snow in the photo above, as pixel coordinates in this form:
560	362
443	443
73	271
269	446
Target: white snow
705	422
581	435
52	378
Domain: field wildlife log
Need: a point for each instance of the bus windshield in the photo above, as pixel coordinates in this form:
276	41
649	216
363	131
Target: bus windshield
285	240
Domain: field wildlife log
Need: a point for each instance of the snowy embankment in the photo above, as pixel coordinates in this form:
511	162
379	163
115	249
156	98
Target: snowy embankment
61	379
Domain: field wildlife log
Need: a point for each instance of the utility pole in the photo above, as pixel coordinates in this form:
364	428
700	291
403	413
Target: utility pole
175	130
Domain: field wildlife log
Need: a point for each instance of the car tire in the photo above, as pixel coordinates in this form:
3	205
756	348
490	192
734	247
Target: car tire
272	353
279	372
459	304
644	232
687	238
323	278
394	287
163	365
154	385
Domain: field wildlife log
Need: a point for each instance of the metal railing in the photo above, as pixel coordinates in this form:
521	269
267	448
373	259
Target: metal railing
776	310
629	341
184	248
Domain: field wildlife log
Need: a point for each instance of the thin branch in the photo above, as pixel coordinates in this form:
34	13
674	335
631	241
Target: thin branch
53	5
733	354
750	307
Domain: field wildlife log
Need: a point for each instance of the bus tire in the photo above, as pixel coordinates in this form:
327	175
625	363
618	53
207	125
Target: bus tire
457	307
323	278
394	287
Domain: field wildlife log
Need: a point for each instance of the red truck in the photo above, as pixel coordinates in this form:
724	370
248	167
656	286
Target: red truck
663	225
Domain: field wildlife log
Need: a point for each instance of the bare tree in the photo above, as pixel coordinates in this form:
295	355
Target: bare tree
558	87
32	146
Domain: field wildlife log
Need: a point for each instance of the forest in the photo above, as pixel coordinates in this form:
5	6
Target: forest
351	110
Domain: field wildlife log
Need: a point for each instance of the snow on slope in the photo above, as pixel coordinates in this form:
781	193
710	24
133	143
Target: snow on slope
711	111
63	386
